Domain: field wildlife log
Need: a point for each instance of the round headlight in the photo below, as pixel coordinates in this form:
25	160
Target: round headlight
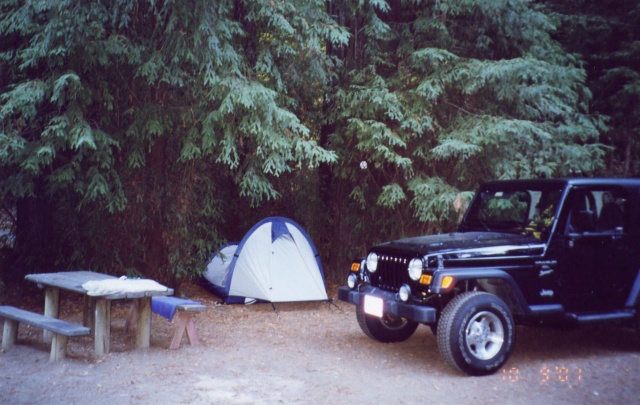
372	262
415	269
352	281
404	293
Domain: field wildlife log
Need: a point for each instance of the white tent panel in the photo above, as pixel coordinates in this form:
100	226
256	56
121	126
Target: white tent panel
294	270
249	278
275	261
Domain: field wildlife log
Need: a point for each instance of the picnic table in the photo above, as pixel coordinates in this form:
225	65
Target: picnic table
97	308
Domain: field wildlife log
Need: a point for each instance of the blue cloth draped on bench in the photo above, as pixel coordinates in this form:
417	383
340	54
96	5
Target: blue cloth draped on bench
166	306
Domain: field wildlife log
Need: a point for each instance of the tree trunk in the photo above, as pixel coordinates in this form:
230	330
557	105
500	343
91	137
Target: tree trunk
326	193
341	243
334	191
627	154
156	261
35	245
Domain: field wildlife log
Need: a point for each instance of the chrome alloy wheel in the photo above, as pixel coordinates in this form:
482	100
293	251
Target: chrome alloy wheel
484	335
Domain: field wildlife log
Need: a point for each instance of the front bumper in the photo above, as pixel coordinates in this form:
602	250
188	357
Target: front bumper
392	306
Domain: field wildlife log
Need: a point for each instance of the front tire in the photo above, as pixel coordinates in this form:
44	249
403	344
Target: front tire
387	329
476	333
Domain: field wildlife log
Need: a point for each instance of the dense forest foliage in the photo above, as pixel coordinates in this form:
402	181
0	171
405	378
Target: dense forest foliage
136	136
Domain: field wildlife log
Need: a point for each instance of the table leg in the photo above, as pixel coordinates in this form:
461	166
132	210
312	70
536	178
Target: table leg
132	316
88	311
102	330
51	309
143	327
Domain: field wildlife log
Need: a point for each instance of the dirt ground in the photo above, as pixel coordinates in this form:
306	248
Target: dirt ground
311	353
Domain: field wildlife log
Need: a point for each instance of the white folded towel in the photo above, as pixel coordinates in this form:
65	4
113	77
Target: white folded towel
121	285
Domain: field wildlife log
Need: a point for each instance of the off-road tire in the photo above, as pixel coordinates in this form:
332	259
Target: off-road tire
476	333
387	329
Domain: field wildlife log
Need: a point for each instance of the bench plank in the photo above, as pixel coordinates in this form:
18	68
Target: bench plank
43	322
61	330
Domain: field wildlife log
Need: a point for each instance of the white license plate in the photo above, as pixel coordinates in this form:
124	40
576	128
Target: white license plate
373	305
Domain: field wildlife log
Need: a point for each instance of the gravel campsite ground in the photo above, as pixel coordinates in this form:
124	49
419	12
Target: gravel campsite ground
311	353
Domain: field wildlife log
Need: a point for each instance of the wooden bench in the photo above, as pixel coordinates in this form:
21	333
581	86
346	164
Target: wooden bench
61	329
183	317
185	312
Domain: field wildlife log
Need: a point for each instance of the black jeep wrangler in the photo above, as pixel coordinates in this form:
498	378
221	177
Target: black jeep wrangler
532	252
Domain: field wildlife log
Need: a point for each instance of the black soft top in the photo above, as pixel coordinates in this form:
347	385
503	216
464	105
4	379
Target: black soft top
561	182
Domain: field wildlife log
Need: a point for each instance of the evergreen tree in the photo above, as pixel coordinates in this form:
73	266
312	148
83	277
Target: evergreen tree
138	123
142	133
607	35
436	96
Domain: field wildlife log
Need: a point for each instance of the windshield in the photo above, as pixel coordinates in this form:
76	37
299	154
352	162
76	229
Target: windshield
523	210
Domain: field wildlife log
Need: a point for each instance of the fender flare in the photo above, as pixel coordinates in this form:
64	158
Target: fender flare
461	275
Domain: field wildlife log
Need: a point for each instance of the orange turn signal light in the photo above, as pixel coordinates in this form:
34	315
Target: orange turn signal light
425	279
355	266
447	281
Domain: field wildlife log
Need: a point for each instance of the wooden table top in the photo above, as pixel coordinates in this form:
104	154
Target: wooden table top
73	281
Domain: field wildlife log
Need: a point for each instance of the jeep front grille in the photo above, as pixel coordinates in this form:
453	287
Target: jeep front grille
391	273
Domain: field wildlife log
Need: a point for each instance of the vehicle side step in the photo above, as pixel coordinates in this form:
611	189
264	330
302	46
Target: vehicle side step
603	317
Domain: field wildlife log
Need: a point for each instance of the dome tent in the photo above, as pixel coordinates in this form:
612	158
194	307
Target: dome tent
276	261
